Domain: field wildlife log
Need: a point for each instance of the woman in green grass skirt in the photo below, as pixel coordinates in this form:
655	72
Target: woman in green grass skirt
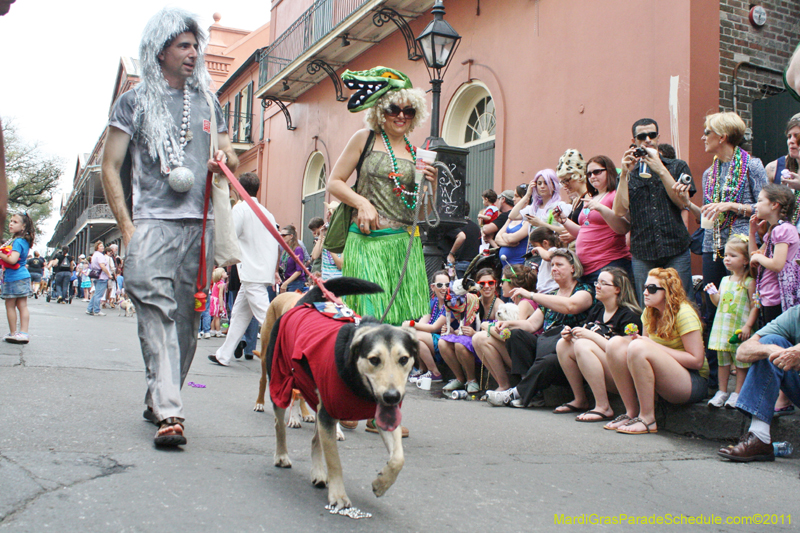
384	200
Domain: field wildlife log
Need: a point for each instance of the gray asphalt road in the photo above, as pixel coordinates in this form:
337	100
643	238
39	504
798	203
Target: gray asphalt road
75	455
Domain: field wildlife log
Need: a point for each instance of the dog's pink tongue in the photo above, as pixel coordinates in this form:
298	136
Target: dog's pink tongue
388	418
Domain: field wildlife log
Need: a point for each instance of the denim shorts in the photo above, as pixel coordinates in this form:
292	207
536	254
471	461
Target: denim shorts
699	387
36	277
16	289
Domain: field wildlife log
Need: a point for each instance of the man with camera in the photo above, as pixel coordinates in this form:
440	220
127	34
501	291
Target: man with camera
659	238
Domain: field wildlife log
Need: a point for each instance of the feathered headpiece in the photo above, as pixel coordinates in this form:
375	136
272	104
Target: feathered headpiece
152	117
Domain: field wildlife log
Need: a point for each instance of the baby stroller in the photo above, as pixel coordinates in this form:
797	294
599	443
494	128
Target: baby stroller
51	292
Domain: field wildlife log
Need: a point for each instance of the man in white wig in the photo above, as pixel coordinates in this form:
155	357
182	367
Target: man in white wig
165	124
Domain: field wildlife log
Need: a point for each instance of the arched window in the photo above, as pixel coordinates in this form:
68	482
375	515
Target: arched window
314	183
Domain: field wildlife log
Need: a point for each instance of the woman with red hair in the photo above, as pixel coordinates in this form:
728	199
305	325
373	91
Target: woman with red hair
667	358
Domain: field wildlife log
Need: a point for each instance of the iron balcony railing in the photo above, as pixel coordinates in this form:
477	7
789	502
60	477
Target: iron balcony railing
318	21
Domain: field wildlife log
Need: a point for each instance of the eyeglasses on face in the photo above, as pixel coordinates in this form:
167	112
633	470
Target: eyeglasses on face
490	283
652	288
394	111
439	285
285	235
595	172
599	283
648	134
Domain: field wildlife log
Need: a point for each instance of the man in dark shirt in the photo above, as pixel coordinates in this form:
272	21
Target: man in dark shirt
36	268
466	244
659	238
62	266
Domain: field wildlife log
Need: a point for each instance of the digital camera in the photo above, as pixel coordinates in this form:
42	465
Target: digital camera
685	179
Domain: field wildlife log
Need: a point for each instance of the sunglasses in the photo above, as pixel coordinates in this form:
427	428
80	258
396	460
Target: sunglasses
652	289
394	111
284	234
505	280
595	172
565	254
707	132
491	283
648	135
439	285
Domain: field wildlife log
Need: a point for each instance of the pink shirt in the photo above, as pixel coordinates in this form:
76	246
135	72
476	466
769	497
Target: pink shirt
768	286
597	244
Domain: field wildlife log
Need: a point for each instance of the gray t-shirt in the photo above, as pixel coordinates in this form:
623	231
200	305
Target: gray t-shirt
152	196
787	325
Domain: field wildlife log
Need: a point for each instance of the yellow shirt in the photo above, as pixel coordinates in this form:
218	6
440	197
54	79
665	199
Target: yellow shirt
687	321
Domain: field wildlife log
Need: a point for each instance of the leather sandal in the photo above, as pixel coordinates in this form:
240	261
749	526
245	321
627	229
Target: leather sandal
620	418
170	432
638	420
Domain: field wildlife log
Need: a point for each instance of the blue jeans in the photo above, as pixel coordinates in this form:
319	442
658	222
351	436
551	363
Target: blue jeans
764	381
461	268
250	336
205	318
100	286
61	285
681	262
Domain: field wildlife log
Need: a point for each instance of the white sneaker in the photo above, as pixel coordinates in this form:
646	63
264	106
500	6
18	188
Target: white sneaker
207	335
732	399
452	385
200	335
718	400
499	398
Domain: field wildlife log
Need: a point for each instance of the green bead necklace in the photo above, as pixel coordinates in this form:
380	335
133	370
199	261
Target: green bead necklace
400	189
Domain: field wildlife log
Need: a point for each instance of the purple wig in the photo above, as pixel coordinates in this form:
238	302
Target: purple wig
551	179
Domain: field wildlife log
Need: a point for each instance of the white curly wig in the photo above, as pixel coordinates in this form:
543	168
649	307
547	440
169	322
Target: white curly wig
374	116
152	117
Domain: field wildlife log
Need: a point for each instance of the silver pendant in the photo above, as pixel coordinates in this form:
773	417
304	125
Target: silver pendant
181	179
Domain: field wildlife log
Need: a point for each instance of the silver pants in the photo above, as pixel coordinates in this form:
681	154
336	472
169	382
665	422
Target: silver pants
160	277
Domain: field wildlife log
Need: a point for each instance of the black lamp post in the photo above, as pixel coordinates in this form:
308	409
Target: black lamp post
439	42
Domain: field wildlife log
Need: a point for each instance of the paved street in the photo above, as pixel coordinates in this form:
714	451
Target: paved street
75	455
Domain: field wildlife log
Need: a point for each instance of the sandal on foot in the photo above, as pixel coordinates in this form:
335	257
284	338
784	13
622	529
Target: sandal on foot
170	433
602	418
150	416
568	408
638	420
620	418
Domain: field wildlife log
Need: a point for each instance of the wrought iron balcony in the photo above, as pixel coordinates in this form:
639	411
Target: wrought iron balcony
335	32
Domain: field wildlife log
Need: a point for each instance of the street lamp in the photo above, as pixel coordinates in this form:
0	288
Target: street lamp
439	42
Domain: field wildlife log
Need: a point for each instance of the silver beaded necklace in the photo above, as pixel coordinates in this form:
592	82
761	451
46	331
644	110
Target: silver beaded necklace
181	179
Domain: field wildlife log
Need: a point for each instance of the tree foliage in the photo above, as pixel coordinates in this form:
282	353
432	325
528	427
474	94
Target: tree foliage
32	176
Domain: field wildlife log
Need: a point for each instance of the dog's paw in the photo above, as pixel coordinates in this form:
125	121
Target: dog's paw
283	461
310	418
259	408
339	433
381	485
319	477
294	421
338	500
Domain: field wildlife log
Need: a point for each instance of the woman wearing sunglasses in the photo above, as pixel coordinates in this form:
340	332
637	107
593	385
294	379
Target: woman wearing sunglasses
457	350
385	200
534	356
490	343
582	350
600	234
667	358
428	330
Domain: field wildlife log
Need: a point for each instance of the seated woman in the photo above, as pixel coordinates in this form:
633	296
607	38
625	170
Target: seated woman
490	343
667	359
457	350
535	358
513	238
428	328
582	350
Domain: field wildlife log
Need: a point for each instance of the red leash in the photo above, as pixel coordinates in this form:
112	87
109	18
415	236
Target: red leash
270	227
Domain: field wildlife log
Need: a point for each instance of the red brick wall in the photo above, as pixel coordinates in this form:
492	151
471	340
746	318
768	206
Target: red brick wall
770	46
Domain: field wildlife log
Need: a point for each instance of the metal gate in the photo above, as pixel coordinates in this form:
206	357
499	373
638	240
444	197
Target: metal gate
770	116
480	175
313	206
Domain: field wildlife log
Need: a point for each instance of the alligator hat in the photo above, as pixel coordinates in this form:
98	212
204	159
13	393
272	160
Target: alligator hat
370	85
